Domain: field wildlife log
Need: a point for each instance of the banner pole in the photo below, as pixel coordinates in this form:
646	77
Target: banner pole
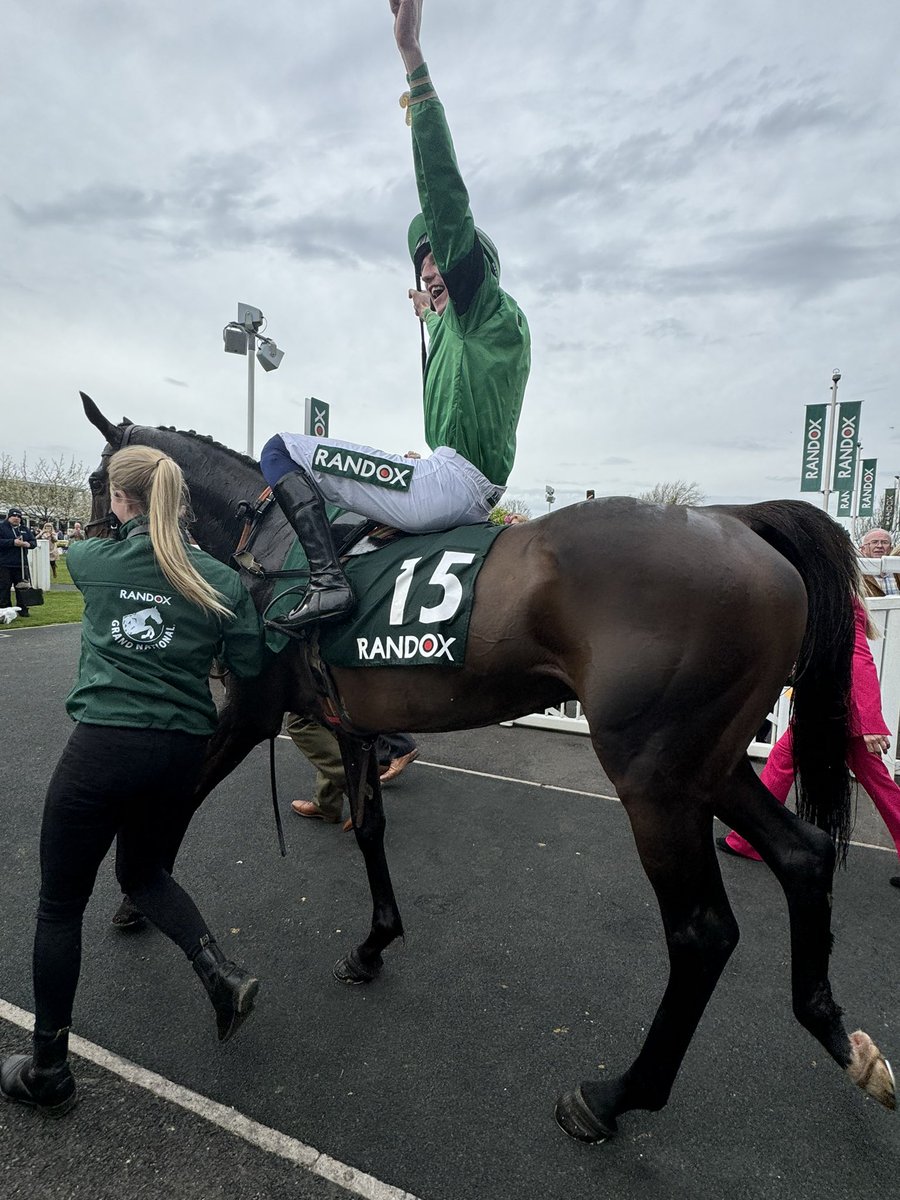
832	430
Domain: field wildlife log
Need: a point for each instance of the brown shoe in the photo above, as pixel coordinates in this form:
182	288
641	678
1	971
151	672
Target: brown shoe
306	808
398	765
348	825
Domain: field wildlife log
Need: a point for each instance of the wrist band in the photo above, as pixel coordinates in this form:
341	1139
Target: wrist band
407	101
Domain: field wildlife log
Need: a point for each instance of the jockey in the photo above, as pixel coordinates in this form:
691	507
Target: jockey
477	366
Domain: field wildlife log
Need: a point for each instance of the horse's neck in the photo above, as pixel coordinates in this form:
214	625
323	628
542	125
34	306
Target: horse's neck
215	497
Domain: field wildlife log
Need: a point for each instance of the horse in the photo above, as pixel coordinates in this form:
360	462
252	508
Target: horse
676	628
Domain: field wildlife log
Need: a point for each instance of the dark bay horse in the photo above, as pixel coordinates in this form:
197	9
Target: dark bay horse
676	628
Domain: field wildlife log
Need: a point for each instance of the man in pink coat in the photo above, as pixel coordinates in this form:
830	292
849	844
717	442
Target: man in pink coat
869	738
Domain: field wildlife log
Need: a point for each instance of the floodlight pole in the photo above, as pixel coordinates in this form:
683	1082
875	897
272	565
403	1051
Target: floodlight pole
829	443
251	386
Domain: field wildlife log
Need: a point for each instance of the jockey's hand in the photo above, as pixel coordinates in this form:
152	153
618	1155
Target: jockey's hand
421	302
407	23
876	743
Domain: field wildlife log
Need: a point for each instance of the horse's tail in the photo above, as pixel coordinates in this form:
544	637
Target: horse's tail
823	555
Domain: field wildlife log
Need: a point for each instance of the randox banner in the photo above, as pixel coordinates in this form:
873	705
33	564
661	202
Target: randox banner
845	502
812	475
889	508
846	448
867	488
316	415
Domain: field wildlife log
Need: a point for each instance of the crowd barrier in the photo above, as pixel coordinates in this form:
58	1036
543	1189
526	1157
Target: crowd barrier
885	613
39	564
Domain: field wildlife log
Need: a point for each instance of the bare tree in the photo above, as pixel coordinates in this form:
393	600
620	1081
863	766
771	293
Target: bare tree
46	490
506	508
676	492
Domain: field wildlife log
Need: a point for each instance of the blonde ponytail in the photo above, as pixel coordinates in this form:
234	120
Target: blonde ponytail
154	481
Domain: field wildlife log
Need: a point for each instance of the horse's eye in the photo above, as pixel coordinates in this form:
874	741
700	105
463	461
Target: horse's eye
95	483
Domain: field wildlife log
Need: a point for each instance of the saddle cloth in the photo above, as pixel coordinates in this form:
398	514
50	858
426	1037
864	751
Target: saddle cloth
414	601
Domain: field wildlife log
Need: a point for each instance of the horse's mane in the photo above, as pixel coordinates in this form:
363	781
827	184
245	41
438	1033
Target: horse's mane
207	440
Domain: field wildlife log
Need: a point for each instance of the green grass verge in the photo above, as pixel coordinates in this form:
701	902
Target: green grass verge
59	608
62	572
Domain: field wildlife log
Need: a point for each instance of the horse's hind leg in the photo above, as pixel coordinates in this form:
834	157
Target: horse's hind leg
367	811
802	858
674	839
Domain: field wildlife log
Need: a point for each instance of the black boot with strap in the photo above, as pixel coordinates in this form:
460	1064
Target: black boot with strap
328	595
42	1080
231	989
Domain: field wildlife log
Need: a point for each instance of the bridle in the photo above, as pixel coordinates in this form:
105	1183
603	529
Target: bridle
99	479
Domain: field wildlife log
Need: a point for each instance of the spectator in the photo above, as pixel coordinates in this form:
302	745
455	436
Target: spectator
16	540
76	533
869	738
155	615
395	753
48	534
876	543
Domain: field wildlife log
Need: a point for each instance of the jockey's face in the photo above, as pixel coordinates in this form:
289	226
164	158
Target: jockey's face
434	284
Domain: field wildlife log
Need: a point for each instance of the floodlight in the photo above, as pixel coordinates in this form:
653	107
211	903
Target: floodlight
235	340
249	317
269	355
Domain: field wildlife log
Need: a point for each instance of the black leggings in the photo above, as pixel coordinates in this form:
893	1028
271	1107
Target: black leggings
134	784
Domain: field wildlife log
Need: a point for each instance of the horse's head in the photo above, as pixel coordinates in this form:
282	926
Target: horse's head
219	479
98	480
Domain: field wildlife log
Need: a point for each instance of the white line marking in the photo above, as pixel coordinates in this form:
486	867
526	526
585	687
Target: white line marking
551	787
358	1183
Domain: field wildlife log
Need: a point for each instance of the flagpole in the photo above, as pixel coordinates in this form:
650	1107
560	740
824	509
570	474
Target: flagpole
829	450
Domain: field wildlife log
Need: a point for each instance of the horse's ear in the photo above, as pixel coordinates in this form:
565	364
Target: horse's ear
112	433
127	421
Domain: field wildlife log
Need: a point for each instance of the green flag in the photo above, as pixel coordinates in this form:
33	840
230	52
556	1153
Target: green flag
888	508
316	418
867	488
812	473
846	447
845	502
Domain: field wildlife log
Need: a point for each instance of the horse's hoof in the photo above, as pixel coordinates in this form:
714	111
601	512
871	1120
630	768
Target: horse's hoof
575	1118
352	969
871	1071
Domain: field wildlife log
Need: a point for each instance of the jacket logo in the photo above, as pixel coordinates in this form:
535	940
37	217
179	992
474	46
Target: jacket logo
364	467
142	630
146	597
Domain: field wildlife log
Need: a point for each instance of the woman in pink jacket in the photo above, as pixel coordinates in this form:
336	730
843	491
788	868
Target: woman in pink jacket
869	738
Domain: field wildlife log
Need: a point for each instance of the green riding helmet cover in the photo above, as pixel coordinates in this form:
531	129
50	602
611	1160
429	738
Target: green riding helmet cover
419	246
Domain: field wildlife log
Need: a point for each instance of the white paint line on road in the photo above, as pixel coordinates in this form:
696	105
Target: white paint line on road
272	1141
552	787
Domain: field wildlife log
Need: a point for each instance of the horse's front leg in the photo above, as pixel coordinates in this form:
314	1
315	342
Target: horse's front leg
367	813
675	843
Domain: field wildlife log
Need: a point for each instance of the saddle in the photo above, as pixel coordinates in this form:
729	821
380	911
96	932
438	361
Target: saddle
263	548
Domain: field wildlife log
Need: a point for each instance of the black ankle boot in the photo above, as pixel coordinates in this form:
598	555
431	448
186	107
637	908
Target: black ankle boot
41	1080
329	594
231	988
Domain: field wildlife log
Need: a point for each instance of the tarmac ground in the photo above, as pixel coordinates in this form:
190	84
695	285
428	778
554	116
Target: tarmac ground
533	959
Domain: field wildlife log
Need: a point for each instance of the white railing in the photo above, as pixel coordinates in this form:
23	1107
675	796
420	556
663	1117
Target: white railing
885	613
39	564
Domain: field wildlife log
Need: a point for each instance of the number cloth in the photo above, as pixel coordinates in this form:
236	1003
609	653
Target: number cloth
145	650
415	601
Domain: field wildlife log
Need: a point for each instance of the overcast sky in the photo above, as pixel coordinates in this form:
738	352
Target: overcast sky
696	205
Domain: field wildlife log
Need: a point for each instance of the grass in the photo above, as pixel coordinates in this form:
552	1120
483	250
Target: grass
59	608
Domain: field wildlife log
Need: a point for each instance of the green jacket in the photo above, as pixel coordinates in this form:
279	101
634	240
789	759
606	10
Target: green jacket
479	353
145	650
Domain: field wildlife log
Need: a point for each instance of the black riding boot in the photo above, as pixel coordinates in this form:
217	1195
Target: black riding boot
231	988
328	594
41	1080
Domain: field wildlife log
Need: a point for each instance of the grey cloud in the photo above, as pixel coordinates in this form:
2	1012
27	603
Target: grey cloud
175	382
